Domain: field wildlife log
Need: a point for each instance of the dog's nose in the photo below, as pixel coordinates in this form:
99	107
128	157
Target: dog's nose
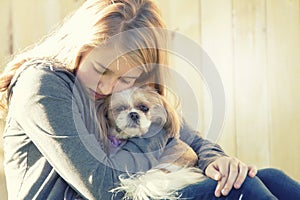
134	116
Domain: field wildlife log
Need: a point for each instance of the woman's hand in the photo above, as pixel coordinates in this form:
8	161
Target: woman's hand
229	172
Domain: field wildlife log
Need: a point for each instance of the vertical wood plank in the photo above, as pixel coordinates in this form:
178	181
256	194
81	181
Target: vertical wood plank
41	17
216	39
251	81
284	78
28	20
187	24
5	36
4	55
68	6
164	7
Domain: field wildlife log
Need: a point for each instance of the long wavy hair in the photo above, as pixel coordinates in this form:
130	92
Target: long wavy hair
94	23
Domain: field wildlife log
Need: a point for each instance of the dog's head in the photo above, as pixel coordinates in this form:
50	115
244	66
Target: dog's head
130	113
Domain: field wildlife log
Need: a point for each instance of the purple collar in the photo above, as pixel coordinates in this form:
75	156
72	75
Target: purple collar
114	140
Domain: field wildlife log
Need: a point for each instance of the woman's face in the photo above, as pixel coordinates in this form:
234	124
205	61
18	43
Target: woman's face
101	73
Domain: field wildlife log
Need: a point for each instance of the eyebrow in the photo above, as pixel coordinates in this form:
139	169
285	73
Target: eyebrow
106	68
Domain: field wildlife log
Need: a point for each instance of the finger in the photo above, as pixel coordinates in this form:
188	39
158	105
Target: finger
252	171
232	176
220	185
243	170
213	172
224	170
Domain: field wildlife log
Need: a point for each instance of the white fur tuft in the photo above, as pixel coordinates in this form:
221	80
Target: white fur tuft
157	184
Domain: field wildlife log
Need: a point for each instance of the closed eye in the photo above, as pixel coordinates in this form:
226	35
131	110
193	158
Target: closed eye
99	68
99	71
125	81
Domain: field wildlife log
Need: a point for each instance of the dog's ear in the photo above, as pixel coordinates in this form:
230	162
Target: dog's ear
168	117
173	121
102	113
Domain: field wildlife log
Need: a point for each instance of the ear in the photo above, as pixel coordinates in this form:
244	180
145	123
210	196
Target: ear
173	121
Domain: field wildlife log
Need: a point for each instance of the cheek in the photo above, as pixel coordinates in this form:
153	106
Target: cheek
87	77
145	117
121	119
158	114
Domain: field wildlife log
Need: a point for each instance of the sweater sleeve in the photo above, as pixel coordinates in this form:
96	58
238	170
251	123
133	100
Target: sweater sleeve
206	150
43	104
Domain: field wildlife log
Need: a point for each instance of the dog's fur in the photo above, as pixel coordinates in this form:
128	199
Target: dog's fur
129	114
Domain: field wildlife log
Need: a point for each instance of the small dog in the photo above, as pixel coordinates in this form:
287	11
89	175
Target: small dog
130	113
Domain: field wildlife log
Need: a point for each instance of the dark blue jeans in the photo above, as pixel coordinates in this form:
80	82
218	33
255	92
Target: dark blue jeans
268	184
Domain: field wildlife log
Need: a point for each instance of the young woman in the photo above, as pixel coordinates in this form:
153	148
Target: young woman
51	140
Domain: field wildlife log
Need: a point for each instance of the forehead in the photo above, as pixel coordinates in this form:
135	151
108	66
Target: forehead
109	57
134	95
122	97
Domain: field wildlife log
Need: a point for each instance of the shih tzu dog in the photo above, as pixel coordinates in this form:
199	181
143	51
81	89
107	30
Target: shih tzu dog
130	113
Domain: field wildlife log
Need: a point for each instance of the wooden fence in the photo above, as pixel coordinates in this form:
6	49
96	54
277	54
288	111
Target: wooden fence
255	45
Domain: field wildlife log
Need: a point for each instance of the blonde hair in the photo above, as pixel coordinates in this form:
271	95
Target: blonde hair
94	23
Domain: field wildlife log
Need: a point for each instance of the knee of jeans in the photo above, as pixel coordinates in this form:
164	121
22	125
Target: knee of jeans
253	188
270	172
250	182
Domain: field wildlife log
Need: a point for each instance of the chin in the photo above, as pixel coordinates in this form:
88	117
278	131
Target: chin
130	113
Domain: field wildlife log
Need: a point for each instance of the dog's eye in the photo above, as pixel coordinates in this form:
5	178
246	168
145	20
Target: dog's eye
143	108
120	108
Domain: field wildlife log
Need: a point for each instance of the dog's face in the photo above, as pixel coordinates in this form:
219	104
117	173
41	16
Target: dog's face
132	111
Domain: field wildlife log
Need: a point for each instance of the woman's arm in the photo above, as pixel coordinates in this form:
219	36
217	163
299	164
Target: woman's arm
44	106
206	150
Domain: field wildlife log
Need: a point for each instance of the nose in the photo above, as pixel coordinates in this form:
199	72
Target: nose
105	89
106	86
134	116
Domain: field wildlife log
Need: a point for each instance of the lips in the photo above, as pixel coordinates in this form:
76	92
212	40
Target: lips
97	95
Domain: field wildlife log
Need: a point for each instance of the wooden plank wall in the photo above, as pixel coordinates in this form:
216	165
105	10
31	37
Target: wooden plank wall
255	45
283	58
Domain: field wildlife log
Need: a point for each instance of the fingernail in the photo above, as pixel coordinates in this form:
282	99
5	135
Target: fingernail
225	192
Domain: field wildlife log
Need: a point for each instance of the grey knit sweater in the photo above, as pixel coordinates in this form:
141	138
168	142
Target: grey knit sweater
50	140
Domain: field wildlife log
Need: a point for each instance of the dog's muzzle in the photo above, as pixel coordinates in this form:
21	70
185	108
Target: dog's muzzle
135	118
